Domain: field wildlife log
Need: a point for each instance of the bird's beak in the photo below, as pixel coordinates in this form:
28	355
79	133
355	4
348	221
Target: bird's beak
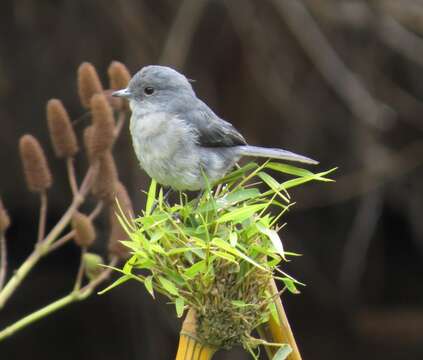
125	93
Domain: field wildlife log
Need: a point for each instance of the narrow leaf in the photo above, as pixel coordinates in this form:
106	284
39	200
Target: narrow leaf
168	286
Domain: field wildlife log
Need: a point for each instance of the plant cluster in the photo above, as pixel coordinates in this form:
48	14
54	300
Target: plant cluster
100	183
217	254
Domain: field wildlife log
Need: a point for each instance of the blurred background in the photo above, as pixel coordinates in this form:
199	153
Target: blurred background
338	80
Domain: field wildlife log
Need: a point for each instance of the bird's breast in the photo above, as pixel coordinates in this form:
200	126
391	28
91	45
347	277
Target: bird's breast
163	144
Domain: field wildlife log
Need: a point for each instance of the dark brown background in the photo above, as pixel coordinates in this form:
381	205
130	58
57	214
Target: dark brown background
340	81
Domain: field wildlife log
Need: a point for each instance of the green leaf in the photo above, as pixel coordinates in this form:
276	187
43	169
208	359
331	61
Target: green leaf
224	255
320	177
168	286
283	352
151	197
179	305
288	169
290	285
241	195
233	239
239	215
119	281
234	175
273	311
274	238
195	269
273	184
148	283
240	303
225	246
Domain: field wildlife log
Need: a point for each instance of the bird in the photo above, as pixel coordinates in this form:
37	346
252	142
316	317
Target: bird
178	139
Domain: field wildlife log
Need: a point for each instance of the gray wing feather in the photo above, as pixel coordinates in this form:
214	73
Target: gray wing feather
212	131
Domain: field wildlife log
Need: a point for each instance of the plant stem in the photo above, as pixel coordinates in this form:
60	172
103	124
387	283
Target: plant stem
76	295
45	244
43	216
3	259
190	348
71	175
282	333
80	273
120	122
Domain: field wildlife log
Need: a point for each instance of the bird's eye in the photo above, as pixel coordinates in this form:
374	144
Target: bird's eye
148	90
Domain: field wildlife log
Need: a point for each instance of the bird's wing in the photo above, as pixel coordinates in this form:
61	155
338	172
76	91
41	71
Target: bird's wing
213	131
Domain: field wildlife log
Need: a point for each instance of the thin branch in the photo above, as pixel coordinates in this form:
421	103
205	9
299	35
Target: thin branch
3	259
74	296
120	122
333	69
80	273
96	211
357	245
71	175
43	217
43	247
69	236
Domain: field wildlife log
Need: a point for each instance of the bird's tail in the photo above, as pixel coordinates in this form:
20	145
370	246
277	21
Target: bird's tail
258	151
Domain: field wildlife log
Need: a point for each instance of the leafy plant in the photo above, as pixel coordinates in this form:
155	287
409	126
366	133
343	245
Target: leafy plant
219	253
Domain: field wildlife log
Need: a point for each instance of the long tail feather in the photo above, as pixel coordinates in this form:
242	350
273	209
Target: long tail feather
258	151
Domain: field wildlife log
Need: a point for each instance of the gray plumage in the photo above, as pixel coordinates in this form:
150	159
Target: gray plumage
176	136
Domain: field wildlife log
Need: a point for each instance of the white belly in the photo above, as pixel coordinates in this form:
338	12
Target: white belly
165	147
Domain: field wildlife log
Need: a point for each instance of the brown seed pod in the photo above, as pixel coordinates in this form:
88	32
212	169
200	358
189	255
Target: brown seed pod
88	83
4	218
104	187
37	173
117	233
103	133
119	75
124	200
61	131
84	230
88	133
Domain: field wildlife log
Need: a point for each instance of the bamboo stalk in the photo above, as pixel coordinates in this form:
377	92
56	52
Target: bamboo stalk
190	348
279	331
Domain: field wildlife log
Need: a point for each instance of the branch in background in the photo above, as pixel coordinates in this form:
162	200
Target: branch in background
4	225
353	263
339	77
181	33
74	296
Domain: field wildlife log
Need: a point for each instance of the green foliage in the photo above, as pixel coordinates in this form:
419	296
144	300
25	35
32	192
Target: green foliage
219	253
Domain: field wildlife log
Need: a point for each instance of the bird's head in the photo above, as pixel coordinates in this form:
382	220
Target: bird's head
154	85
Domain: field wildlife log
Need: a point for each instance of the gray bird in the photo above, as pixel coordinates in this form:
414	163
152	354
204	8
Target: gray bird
177	138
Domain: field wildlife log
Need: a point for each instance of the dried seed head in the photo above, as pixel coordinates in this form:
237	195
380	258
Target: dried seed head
124	200
37	173
84	230
104	187
4	218
88	134
119	75
91	264
103	132
117	233
88	83
61	131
